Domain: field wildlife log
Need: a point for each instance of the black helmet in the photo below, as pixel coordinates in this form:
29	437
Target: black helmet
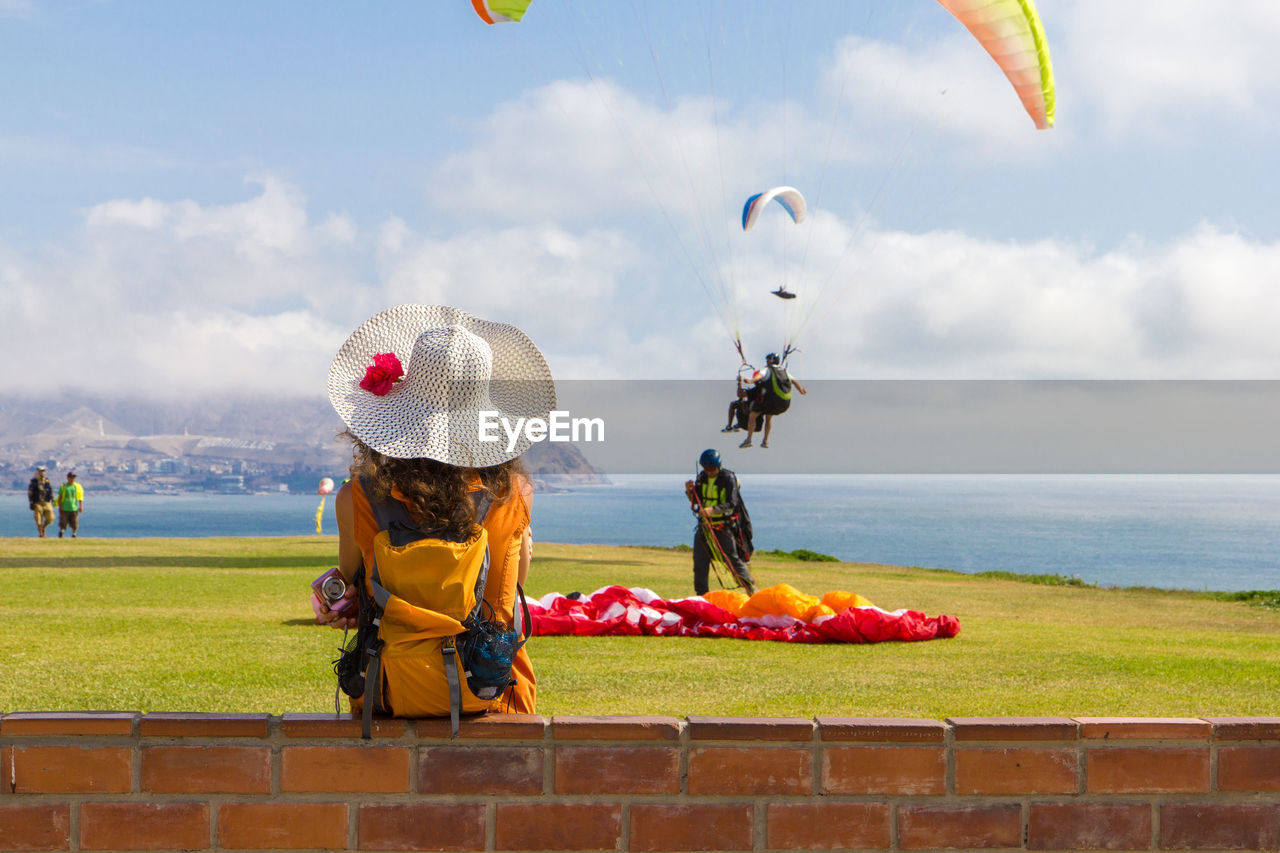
772	359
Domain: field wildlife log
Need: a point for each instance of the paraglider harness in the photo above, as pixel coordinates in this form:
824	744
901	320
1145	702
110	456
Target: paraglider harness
738	525
484	651
771	395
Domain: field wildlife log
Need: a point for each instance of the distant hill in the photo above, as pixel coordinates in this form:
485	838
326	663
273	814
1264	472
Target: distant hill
251	418
304	433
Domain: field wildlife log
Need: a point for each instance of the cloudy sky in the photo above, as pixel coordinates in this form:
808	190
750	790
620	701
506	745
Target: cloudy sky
200	197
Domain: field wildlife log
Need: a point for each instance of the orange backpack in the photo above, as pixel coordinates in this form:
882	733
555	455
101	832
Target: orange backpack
422	608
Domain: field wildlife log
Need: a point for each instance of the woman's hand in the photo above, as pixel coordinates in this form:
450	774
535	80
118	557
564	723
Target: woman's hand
343	617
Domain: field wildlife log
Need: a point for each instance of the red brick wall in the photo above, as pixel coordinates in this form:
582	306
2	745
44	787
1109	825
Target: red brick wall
123	781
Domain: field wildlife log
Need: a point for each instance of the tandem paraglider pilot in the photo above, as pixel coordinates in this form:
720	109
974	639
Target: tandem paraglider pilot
771	395
433	528
723	535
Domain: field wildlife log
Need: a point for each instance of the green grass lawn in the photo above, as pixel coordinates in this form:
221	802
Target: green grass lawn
225	625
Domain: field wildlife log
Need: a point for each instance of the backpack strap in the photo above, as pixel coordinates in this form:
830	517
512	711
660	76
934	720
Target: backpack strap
521	616
450	651
372	688
371	648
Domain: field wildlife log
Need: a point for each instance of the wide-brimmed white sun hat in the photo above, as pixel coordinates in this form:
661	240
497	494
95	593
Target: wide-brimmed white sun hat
455	367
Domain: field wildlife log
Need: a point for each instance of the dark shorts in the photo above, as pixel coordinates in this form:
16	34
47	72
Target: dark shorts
768	404
68	518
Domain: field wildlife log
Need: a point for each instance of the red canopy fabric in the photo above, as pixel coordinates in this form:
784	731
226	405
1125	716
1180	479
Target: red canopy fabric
617	610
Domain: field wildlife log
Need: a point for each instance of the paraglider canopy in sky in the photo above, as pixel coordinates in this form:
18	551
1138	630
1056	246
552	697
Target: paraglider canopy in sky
501	11
1010	31
789	198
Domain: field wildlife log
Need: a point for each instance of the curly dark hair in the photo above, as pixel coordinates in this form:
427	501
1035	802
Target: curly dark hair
437	493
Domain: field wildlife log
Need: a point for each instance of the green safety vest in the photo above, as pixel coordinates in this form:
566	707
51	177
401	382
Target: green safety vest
783	392
69	496
712	495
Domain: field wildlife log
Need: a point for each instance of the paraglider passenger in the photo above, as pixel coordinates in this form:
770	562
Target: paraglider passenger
723	533
771	395
740	407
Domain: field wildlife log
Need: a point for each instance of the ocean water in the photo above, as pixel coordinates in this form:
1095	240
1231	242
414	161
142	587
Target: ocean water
1191	532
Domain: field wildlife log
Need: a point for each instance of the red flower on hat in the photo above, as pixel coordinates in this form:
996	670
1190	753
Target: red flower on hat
380	376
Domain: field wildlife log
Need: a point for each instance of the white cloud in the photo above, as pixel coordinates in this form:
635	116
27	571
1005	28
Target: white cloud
948	86
186	298
946	305
182	298
17	8
573	151
1171	65
273	222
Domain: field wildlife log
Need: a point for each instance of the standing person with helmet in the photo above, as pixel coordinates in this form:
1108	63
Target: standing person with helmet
714	496
771	395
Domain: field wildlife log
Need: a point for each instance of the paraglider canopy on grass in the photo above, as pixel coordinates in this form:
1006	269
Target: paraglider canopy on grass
780	613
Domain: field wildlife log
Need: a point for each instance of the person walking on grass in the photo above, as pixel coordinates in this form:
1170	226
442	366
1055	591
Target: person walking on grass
40	499
70	505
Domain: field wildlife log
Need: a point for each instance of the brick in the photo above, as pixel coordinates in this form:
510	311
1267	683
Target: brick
144	826
285	826
931	827
615	728
738	771
1019	770
558	826
750	728
166	724
1135	770
353	769
1239	826
206	769
338	725
617	770
1144	728
1249	768
480	770
691	827
73	769
488	726
422	826
827	826
1013	728
68	723
36	826
882	729
909	770
1245	728
1089	826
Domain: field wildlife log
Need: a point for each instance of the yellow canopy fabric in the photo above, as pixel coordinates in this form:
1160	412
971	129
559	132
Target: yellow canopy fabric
785	600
